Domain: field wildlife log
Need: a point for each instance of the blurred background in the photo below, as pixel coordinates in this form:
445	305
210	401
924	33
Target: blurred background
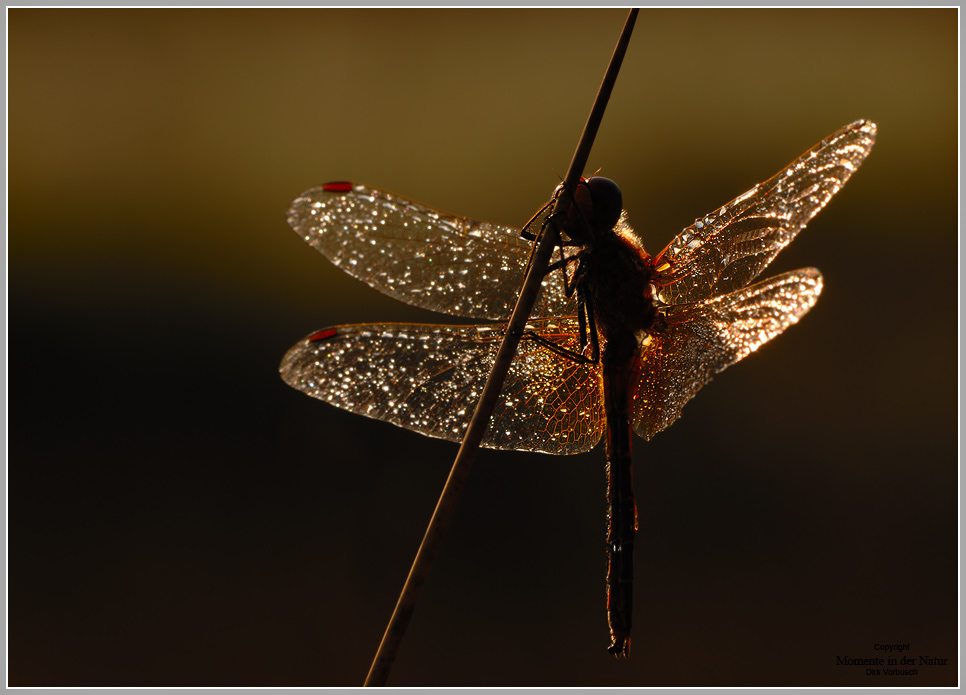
180	517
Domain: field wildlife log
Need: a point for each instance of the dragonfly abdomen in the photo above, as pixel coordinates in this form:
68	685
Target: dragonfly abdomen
620	365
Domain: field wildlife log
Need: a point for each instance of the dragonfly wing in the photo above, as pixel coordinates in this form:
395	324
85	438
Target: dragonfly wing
693	342
729	248
428	378
419	255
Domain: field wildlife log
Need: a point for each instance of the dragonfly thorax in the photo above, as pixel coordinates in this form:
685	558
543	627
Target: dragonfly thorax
618	280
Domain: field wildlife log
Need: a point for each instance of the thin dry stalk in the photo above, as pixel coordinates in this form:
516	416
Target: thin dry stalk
385	656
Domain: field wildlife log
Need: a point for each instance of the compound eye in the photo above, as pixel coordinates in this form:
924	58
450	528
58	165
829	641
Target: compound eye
607	200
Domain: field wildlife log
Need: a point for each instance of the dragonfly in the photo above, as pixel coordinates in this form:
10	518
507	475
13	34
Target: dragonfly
619	340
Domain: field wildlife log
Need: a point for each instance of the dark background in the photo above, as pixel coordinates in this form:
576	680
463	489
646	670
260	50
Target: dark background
179	516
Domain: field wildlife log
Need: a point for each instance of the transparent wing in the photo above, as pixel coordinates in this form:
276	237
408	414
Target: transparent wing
696	341
419	255
428	378
727	249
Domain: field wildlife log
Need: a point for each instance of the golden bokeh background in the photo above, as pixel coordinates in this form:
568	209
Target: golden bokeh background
179	517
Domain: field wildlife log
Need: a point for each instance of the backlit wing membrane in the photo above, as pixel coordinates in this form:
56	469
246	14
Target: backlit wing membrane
419	255
695	341
428	378
727	249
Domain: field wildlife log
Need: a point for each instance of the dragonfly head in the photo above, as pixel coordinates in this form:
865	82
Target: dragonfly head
596	208
608	202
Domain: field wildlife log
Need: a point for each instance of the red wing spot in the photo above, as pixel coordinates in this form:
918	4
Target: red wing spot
337	186
324	334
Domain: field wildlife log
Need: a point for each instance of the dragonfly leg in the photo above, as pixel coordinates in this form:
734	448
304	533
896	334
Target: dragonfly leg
525	233
558	349
565	260
587	328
